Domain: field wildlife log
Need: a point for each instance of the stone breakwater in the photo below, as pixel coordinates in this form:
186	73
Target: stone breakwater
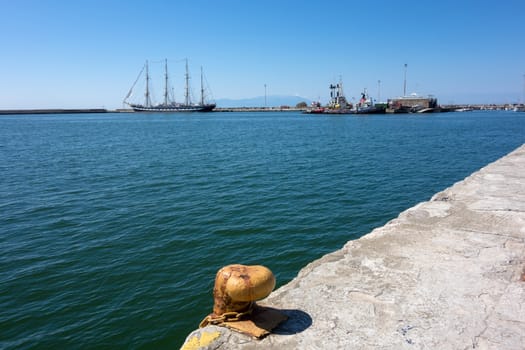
446	274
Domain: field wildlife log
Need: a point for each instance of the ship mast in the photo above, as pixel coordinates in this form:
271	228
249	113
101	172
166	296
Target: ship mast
165	82
405	82
340	92
202	90
187	93
147	95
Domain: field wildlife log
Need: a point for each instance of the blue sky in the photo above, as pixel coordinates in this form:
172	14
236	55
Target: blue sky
87	53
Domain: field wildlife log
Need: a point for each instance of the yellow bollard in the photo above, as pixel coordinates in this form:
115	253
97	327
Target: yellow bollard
236	289
238	286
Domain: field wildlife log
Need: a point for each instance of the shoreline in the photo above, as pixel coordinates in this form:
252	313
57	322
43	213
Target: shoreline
448	273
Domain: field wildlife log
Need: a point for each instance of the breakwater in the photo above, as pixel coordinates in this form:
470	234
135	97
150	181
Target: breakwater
52	111
448	273
258	109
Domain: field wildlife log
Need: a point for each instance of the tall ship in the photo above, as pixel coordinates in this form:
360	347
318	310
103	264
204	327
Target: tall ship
168	104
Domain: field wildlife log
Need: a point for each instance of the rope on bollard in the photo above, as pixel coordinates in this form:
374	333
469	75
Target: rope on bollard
226	317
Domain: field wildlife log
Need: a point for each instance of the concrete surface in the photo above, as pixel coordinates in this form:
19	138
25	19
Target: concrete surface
446	274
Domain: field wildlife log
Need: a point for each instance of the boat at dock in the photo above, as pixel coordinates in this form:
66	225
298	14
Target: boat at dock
316	108
366	105
168	104
463	109
339	104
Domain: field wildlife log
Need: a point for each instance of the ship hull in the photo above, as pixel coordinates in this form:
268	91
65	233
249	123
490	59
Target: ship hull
173	109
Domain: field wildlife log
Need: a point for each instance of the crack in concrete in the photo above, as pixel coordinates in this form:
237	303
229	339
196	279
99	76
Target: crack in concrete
499	210
494	234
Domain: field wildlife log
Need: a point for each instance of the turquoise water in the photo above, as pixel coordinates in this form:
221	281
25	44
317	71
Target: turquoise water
113	225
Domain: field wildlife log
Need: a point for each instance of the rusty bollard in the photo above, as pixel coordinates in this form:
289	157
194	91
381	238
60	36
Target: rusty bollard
237	288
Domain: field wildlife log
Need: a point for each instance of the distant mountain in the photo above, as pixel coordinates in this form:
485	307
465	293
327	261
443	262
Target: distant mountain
271	101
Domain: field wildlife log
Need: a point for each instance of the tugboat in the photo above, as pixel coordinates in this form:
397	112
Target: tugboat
338	103
315	108
366	105
168	104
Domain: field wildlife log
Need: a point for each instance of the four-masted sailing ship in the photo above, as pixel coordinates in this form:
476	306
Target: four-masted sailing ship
168	105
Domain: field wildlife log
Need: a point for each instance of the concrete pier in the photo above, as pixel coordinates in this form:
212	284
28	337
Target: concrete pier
446	274
52	111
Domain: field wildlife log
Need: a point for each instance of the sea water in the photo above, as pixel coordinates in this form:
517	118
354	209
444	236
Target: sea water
112	226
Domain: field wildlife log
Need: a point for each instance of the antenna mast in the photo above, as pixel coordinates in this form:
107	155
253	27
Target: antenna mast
405	82
340	92
379	91
523	101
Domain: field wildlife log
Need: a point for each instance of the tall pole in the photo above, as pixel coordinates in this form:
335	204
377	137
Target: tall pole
379	91
523	100
405	83
265	104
